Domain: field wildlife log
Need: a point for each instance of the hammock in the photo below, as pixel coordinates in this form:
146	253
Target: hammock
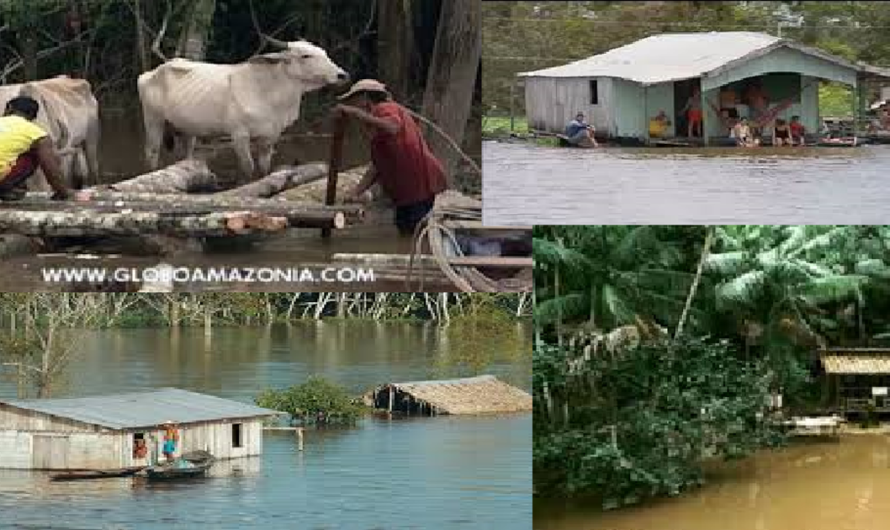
770	114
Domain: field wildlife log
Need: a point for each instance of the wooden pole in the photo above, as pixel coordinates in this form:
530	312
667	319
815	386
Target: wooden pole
299	438
391	398
334	165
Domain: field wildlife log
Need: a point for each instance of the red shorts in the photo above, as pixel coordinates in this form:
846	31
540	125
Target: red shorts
23	168
694	115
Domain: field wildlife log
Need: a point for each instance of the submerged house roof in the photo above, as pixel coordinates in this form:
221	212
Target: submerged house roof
863	361
142	409
677	56
471	395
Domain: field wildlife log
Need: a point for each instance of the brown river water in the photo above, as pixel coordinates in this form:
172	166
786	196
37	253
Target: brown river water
529	184
825	485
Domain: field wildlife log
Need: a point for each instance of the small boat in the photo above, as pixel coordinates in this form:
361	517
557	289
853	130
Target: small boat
474	256
190	465
89	474
851	141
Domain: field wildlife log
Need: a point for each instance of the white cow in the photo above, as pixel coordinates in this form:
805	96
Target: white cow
69	112
251	101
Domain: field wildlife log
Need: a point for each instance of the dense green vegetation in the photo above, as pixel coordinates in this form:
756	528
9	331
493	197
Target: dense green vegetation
658	347
315	401
527	35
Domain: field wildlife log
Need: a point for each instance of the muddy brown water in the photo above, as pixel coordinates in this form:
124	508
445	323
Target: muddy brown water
416	473
529	184
826	485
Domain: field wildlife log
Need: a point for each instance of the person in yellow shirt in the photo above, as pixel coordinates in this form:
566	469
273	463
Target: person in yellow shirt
658	125
25	147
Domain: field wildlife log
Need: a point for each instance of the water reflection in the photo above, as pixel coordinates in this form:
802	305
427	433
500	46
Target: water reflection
384	473
685	186
840	485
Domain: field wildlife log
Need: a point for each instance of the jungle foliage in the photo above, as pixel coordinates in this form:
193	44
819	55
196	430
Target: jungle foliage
628	420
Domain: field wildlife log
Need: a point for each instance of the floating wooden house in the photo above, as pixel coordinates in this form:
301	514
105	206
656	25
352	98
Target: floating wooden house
484	394
856	379
621	90
102	432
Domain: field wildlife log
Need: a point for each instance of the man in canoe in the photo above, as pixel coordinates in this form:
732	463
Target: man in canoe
401	161
580	133
24	148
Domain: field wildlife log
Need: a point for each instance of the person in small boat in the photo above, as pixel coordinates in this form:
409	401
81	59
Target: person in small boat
798	131
171	440
658	125
743	135
581	133
782	134
693	113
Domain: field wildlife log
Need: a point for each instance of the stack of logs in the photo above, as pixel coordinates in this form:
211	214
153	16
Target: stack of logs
179	201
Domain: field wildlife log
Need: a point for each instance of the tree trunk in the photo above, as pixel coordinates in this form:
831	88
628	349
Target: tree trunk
193	44
187	176
452	77
395	45
706	248
279	181
87	223
143	52
29	45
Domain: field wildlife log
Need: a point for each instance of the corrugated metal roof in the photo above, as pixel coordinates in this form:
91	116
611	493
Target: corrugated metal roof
856	363
676	56
142	409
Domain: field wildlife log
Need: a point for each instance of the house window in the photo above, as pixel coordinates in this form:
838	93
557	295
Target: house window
237	438
140	448
594	93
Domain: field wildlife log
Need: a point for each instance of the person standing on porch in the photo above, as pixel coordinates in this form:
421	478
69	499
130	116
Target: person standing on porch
693	113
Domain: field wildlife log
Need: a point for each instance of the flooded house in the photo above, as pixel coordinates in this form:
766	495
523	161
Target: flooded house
102	432
623	90
484	394
856	380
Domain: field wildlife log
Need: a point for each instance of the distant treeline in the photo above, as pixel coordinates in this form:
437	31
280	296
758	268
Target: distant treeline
129	309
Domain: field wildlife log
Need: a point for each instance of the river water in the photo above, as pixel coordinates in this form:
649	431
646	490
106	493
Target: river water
827	485
529	184
437	473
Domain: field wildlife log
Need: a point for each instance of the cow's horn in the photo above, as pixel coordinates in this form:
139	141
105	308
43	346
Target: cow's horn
275	42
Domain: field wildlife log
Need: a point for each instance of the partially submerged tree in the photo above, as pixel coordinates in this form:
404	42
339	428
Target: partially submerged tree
315	401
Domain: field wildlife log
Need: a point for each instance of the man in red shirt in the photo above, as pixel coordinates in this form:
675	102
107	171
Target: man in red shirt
401	161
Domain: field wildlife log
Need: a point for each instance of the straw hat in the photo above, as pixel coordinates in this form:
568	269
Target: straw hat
365	85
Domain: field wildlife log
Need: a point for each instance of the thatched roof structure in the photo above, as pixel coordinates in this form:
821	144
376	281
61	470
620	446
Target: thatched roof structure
484	394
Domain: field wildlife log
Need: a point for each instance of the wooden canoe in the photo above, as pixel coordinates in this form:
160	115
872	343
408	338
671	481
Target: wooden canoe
89	474
189	465
474	257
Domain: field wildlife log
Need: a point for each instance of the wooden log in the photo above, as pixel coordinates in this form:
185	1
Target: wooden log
187	176
495	262
386	260
298	215
279	181
12	245
85	223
